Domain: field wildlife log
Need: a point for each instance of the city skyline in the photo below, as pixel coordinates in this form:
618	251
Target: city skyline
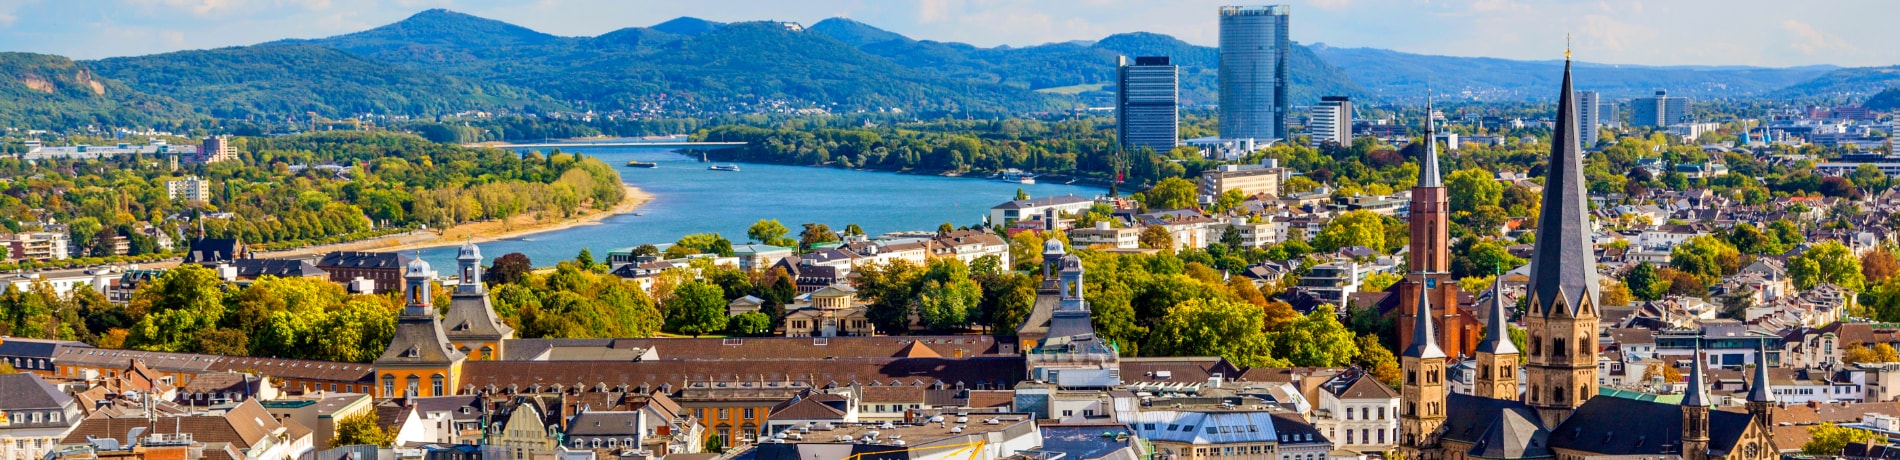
1699	32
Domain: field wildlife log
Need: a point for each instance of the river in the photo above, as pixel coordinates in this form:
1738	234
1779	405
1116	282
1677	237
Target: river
688	198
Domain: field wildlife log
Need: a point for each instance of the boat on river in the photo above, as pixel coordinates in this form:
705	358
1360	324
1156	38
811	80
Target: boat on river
724	167
642	164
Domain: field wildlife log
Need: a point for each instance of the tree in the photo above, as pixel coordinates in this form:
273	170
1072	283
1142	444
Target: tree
1229	200
697	308
749	324
1878	266
1298	184
1475	257
175	307
361	430
510	268
770	232
1642	282
815	233
1354	228
947	296
1828	439
1171	193
700	243
1861	353
1379	281
1214	327
1315	339
1826	262
1020	195
1613	293
1471	188
1707	257
1157	237
585	259
889	286
1378	360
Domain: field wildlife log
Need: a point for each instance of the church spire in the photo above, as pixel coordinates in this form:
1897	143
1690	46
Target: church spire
1428	164
1697	395
1497	332
1563	266
1424	340
1761	396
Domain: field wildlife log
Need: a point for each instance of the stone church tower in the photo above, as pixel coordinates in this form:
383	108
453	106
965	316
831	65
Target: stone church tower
1562	317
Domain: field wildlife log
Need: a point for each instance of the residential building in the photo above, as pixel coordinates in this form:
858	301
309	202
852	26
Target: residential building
1330	121
34	416
1253	76
381	272
37	246
246	270
1145	103
1358	412
596	429
204	250
969	245
1589	118
1003	435
1014	210
321	412
1104	234
188	189
1249	180
33	355
215	149
1226	428
246	430
1265	232
1659	111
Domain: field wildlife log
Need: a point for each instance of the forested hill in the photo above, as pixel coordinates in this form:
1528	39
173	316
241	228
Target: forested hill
39	90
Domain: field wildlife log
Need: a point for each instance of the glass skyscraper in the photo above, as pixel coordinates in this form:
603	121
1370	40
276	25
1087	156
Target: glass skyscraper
1145	105
1253	76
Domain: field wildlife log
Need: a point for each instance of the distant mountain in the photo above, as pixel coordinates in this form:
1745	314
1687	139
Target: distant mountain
272	81
688	26
853	33
1403	77
39	91
1885	100
1846	82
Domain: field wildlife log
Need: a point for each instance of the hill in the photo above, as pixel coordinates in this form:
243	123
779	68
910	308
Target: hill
853	33
1888	100
42	91
1404	76
1846	82
272	81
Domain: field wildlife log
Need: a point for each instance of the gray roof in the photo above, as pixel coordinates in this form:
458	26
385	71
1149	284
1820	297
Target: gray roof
1611	426
1044	201
605	423
1760	391
358	259
1563	267
28	391
471	317
1424	341
1514	435
1428	165
1497	332
1698	391
419	340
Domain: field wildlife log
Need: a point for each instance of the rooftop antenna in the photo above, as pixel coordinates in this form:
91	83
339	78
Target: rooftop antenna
1566	47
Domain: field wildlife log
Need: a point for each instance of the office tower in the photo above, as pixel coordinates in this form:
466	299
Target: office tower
1659	111
1606	115
1331	121
1589	111
1253	77
1145	103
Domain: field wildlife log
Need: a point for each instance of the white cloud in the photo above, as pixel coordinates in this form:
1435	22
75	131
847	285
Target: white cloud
1809	40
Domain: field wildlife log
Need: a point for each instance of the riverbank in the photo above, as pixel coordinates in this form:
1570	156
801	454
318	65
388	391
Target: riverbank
479	232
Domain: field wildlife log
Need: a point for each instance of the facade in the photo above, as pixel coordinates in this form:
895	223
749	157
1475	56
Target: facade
1659	111
189	189
1330	122
1589	117
1105	235
383	270
215	149
472	325
1146	95
830	312
1358	412
1249	180
1014	210
37	246
34	416
1253	72
420	361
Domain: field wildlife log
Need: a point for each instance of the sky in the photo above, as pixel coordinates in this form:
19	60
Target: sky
1656	32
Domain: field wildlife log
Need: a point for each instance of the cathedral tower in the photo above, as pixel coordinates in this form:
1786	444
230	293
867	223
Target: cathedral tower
1562	319
1422	396
1761	396
420	360
1429	263
1497	356
1695	411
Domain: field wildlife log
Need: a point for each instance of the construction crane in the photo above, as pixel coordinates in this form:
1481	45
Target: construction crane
975	448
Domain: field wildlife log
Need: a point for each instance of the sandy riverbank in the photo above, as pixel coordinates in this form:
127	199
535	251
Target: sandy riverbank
476	231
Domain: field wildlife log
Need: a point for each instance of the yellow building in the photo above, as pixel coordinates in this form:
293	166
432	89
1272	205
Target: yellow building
831	312
420	361
472	326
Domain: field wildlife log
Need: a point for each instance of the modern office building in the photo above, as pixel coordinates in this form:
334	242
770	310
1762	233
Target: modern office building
1659	111
1589	121
1145	103
1331	121
1253	73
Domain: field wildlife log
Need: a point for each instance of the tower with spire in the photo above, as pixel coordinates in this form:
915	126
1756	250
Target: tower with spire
1561	323
1695	411
1761	395
1429	262
1422	393
473	327
1497	356
420	360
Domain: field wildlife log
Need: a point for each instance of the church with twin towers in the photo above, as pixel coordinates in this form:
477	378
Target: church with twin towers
1556	412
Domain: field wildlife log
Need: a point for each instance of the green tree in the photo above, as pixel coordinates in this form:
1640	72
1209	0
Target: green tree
1171	193
1157	237
1707	257
815	233
1354	228
1828	439
947	296
697	308
1315	339
1298	184
770	232
585	259
1471	188
1826	262
1020	195
1379	281
1214	327
749	324
1642	282
175	308
361	430
1378	360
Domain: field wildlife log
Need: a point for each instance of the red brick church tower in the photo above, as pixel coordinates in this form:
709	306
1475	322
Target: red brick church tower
1429	271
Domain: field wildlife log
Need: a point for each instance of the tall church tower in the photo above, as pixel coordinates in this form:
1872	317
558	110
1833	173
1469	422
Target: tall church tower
1429	266
1422	396
1695	411
473	327
1761	396
1562	319
420	360
1497	356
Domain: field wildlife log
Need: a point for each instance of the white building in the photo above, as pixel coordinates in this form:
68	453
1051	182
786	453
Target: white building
34	416
1330	122
190	188
1358	412
1034	208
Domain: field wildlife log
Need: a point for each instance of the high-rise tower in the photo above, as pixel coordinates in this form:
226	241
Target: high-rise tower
1422	394
1253	73
1428	271
1562	319
1146	112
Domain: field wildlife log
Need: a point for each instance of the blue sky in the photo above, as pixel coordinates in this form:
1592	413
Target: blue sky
1654	32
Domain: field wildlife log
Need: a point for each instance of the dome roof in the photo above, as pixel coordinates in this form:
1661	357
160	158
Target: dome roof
1053	246
418	268
469	252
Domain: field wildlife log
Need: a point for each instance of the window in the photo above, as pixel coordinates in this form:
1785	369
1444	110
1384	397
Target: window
748	412
1348	413
1381	436
1365	413
415	384
1067	413
1349	437
723	413
435	385
389	385
1381	412
488	353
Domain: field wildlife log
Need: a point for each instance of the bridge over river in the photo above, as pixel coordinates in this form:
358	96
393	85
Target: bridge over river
611	143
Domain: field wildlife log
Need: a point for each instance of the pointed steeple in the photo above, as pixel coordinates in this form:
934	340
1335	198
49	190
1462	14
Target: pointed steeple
1563	266
1697	395
1424	339
1497	332
1428	165
1760	392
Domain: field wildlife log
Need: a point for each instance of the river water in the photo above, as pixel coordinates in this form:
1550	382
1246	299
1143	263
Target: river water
688	199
